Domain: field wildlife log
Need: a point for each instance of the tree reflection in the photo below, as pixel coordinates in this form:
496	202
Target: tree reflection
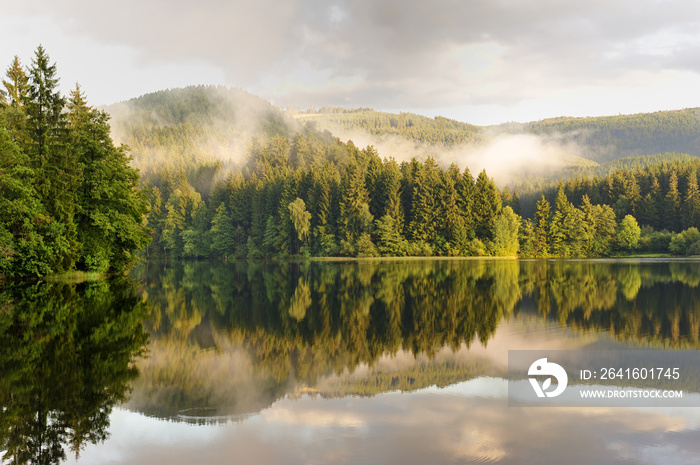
289	323
66	354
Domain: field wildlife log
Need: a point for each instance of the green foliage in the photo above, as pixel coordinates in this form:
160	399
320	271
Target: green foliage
628	233
505	234
681	242
300	218
438	130
66	360
69	197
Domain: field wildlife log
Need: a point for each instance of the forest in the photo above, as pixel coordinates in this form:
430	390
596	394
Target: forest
216	173
68	198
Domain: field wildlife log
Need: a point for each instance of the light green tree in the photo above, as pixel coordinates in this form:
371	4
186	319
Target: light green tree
628	233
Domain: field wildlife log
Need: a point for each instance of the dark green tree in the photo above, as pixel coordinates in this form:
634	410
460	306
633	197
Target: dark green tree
111	209
542	238
485	207
691	202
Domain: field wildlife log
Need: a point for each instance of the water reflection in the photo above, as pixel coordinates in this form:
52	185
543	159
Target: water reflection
66	355
230	339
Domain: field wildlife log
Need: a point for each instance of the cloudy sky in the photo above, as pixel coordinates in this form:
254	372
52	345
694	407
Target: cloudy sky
483	62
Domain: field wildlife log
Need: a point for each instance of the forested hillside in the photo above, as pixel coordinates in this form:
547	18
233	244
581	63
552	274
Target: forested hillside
195	127
600	139
438	130
296	190
611	137
228	175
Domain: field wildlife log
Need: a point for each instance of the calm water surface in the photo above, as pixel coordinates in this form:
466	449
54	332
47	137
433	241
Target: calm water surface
395	362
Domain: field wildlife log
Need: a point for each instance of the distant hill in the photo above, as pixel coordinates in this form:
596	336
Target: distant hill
612	137
214	126
194	125
599	139
438	130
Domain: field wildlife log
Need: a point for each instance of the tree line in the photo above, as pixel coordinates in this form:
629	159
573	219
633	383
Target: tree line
313	195
68	198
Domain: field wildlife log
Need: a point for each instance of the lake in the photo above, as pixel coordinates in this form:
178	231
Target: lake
338	362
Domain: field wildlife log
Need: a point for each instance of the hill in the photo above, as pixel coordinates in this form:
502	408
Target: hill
439	130
188	127
599	139
611	137
215	126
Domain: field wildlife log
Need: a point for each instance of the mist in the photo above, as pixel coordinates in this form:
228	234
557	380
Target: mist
194	125
504	155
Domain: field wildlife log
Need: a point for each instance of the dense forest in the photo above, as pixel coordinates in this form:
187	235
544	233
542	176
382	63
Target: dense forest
599	139
68	198
610	137
301	191
224	174
438	130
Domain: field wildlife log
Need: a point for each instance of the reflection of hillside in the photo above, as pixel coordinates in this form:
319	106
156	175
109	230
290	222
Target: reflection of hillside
278	325
230	339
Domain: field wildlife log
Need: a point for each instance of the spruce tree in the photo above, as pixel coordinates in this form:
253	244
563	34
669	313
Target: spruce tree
16	84
424	210
691	202
542	241
672	204
485	207
110	208
56	166
223	239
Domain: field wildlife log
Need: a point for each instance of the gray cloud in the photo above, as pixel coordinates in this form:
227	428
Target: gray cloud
399	54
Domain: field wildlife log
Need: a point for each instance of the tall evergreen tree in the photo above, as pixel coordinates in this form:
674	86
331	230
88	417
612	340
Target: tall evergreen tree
542	240
110	207
425	206
223	238
16	84
465	198
486	206
56	166
691	202
672	204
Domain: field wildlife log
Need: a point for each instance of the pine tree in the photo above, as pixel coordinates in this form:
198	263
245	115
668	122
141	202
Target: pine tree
56	166
16	84
691	203
355	217
465	200
110	207
588	227
486	206
565	227
526	239
223	239
672	204
425	208
452	228
542	241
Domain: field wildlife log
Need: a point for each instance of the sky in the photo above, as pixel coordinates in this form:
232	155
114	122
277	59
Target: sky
482	62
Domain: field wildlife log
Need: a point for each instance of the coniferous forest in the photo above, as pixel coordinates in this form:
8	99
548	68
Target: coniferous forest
224	175
68	198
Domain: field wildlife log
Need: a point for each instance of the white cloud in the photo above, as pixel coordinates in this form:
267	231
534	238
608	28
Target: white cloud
410	55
